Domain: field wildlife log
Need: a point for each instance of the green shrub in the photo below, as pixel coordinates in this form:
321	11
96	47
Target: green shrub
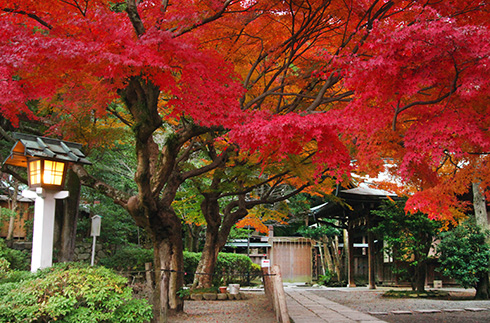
325	279
72	293
464	254
131	257
191	260
17	260
16	276
230	268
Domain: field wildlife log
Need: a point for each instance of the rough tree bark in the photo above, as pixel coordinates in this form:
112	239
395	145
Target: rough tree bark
217	232
210	209
481	215
219	224
66	219
169	266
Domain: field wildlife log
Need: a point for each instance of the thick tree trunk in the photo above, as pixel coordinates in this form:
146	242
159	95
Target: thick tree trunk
217	232
483	287
69	221
421	272
192	237
481	216
480	207
204	272
169	274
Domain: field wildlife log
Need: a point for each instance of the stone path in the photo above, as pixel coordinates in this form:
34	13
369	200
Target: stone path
361	304
306	307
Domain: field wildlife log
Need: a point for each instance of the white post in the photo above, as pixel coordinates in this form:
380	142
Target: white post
42	235
93	252
95	232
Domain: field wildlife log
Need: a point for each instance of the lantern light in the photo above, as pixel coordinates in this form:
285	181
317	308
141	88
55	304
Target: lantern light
46	173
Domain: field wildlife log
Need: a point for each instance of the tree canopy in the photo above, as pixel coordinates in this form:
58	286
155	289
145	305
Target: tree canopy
326	80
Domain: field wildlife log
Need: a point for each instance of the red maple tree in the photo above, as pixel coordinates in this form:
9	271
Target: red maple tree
395	79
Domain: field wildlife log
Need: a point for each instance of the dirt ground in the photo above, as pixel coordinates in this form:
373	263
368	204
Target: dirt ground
256	308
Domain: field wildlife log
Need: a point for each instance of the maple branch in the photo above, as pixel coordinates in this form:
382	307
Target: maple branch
30	15
164	5
8	170
207	20
251	203
454	87
134	17
221	160
169	156
77	6
329	83
119	116
253	187
119	197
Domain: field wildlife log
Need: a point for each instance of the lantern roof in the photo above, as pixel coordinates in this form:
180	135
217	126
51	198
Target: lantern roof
28	146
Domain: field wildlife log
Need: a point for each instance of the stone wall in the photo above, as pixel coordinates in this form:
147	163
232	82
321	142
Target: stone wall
83	250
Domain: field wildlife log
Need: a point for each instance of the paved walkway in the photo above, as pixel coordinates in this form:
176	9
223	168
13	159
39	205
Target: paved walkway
306	307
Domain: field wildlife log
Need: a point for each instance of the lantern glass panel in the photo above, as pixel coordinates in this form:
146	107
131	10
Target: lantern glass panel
35	172
53	172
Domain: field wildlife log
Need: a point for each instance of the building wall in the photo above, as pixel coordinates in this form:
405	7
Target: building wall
24	215
294	257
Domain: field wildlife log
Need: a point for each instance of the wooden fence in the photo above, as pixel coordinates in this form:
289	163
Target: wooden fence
274	290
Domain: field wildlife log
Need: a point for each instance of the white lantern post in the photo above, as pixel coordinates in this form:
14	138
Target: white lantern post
46	160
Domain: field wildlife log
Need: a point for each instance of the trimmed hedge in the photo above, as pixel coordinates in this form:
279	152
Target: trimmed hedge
230	267
131	258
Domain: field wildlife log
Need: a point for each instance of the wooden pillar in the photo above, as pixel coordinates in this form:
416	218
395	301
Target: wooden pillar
350	253
371	255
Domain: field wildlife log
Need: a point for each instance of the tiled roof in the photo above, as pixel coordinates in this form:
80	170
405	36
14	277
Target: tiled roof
43	147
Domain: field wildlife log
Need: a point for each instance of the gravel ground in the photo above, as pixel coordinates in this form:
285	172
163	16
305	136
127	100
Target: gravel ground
254	309
369	301
257	309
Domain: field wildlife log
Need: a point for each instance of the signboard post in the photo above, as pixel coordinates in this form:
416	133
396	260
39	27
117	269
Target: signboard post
266	263
95	232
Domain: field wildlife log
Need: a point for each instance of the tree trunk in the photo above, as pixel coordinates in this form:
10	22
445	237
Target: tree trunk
217	231
328	256
421	272
336	258
204	272
482	287
480	207
67	218
192	237
169	273
481	216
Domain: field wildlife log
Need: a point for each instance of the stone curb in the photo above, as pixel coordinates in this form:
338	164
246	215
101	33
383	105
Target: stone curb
217	297
432	311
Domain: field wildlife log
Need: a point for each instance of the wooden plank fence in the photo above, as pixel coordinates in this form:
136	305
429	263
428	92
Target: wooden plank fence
274	290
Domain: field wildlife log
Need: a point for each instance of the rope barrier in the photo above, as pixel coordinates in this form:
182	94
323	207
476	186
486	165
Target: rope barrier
188	273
